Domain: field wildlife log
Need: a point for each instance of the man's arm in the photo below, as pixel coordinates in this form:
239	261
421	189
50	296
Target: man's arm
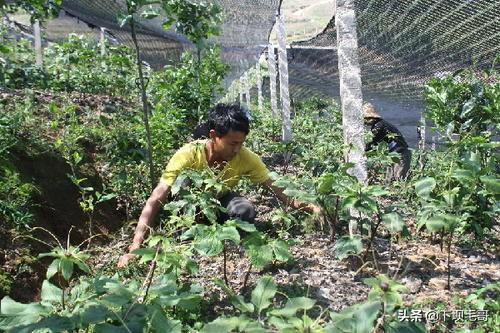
295	204
157	199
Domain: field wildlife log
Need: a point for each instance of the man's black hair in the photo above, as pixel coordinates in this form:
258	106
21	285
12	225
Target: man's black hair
225	117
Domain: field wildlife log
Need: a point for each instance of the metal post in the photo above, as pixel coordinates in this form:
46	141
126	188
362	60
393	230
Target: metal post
38	44
283	72
271	61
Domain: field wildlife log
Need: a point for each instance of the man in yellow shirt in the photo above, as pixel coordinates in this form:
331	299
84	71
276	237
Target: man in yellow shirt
223	151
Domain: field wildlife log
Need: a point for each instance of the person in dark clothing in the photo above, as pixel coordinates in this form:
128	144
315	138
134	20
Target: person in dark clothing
201	131
384	131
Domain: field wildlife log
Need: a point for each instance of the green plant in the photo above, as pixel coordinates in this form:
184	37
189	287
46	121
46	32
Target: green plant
259	315
483	301
37	9
379	311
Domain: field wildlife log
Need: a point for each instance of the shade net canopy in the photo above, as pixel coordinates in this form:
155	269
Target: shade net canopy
244	32
402	44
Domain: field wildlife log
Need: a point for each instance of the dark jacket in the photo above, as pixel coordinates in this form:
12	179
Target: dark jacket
201	131
385	131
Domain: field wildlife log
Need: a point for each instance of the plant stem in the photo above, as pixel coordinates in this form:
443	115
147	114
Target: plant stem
372	236
225	264
449	255
144	97
147	281
247	275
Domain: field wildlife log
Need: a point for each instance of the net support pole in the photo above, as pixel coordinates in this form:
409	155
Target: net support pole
240	90
103	41
259	87
422	132
421	143
271	61
247	88
283	72
38	43
351	96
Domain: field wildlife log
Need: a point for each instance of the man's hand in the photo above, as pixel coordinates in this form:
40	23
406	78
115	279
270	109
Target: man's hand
124	259
318	214
153	204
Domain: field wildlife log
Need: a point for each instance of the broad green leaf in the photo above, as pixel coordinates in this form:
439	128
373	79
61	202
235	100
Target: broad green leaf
377	191
50	293
435	223
440	222
393	222
4	49
293	305
250	326
53	268
491	183
186	301
146	254
263	293
359	318
66	267
83	266
108	328
425	186
463	175
16	314
93	313
53	323
325	183
209	245
243	225
236	300
280	250
229	233
260	256
221	325
350	201
161	323
346	245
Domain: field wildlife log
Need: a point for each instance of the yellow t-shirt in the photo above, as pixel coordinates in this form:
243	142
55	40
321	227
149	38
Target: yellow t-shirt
192	156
